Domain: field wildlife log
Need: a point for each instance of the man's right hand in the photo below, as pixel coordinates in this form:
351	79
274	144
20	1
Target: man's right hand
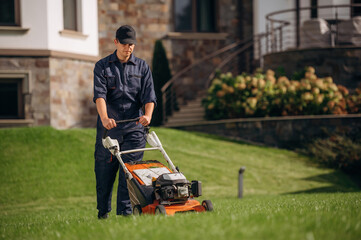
109	123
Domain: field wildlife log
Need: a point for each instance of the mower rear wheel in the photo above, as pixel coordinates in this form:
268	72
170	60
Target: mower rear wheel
207	204
160	210
137	210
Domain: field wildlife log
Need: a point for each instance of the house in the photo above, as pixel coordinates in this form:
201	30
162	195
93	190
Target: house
47	56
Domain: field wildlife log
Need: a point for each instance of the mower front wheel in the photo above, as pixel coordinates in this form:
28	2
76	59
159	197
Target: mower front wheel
207	204
160	210
137	210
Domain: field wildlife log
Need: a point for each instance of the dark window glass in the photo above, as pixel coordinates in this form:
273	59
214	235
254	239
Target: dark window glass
356	11
314	12
205	16
69	12
10	98
183	15
7	13
195	15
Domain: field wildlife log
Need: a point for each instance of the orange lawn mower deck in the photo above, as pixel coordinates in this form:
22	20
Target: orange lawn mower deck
144	172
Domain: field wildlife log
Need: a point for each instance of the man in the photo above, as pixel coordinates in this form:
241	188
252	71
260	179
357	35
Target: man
123	85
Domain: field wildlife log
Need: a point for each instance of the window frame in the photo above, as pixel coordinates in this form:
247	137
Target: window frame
19	96
17	22
78	18
195	18
24	88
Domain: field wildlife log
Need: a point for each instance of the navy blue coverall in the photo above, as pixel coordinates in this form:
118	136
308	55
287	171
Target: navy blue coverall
126	88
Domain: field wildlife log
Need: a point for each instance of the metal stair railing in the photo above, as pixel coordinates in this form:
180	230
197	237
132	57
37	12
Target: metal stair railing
290	21
173	91
223	64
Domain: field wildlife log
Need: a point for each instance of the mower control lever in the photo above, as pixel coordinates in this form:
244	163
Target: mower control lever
105	134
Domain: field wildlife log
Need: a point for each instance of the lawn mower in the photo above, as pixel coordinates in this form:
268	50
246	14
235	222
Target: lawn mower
153	187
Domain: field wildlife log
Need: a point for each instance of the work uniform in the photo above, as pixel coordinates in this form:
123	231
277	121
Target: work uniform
126	88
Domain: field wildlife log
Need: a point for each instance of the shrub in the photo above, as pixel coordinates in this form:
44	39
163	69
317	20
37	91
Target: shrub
262	94
338	151
161	74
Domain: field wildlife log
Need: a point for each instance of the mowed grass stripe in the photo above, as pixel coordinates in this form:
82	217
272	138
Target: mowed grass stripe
320	216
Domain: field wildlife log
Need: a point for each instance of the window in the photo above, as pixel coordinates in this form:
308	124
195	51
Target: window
356	11
314	12
71	14
9	13
11	98
195	15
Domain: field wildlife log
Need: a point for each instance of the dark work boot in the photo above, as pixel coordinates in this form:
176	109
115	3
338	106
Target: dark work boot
102	215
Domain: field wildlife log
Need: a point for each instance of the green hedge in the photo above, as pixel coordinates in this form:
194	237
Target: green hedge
261	95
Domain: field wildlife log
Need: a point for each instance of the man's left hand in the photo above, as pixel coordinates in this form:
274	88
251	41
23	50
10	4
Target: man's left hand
144	120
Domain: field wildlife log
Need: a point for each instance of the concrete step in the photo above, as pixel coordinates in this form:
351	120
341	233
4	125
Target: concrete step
193	105
197	102
185	118
185	115
194	109
190	113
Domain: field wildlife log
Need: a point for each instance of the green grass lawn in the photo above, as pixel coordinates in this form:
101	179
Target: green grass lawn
48	191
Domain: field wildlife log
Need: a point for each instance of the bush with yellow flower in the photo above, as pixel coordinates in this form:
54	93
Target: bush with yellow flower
263	94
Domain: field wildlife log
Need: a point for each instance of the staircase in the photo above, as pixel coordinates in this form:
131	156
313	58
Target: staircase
202	72
189	114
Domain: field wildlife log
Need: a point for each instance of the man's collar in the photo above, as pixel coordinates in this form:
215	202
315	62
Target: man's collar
132	59
114	58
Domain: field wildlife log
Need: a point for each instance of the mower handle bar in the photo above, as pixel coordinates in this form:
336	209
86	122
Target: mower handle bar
105	134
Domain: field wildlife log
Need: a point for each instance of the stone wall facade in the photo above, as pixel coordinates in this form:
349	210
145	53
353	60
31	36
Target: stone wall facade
71	93
342	64
60	90
281	132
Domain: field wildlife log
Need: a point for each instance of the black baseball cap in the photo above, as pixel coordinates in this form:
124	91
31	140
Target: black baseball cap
126	35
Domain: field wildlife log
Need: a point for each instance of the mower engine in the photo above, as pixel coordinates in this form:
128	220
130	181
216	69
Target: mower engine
174	187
